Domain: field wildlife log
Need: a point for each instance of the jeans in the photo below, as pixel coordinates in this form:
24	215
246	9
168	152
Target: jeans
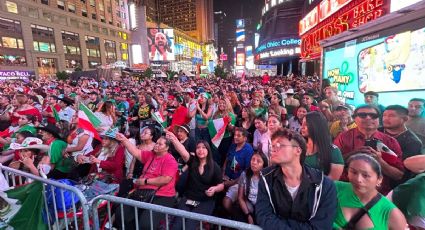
205	207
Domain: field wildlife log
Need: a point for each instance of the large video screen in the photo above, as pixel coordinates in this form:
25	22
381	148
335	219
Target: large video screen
391	64
161	44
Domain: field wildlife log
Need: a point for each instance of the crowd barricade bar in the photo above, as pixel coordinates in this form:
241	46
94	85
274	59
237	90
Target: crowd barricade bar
75	217
185	215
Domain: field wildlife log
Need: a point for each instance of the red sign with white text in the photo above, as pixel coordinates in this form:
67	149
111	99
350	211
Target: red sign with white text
352	15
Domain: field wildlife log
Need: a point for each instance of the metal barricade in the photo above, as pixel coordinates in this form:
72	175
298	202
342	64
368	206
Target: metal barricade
75	217
185	215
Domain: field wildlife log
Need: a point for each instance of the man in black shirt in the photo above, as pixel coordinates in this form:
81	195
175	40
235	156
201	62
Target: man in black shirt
394	119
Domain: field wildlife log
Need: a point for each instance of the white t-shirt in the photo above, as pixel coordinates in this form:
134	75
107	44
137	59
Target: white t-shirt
264	140
87	148
292	190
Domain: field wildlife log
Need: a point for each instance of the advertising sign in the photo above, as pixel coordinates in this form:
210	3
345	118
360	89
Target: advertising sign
240	23
240	35
351	14
16	75
223	57
161	44
278	43
240	59
391	64
398	5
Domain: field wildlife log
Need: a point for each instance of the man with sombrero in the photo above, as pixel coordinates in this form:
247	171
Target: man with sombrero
60	166
67	112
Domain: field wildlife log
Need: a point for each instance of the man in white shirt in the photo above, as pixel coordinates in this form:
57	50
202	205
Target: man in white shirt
67	112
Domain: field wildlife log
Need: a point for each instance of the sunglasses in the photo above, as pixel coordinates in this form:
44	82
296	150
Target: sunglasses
364	115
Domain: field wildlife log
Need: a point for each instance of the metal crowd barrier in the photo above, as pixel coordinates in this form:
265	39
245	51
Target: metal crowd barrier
76	217
185	215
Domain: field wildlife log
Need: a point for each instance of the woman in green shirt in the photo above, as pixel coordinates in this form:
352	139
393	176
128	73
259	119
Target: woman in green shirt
321	153
365	175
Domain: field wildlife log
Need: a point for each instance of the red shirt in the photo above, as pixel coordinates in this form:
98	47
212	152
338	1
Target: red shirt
155	166
353	139
114	165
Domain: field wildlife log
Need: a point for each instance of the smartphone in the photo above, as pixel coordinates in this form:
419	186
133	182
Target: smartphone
373	143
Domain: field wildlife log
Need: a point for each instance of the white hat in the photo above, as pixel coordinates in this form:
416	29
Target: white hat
290	91
30	143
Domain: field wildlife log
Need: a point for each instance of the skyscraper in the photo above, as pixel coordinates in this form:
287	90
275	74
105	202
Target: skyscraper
46	36
194	17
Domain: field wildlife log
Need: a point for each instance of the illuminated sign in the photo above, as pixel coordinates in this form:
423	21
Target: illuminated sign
322	11
133	16
277	43
16	75
223	57
356	13
240	59
283	52
398	5
240	35
240	23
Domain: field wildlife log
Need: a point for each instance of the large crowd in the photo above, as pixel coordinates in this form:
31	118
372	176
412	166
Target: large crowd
278	152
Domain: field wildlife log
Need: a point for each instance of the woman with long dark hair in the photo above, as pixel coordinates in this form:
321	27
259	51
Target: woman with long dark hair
246	121
248	185
321	153
295	122
204	180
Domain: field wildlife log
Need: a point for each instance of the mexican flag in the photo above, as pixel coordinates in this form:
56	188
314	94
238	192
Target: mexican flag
217	128
158	117
88	121
22	207
55	114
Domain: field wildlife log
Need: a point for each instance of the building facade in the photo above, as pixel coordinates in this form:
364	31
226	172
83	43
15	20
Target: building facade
279	43
43	37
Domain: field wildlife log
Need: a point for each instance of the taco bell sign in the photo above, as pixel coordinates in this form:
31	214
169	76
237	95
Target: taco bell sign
16	75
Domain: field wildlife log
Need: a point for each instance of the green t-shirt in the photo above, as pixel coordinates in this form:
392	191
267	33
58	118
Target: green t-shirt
336	158
55	152
379	213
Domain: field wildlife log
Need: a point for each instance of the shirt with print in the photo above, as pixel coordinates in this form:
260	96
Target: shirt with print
238	160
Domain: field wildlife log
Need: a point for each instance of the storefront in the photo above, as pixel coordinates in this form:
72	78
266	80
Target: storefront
386	56
188	53
330	18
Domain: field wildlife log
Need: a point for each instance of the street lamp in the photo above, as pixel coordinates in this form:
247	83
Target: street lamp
220	12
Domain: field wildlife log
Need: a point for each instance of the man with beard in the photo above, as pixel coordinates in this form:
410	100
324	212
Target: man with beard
162	50
416	121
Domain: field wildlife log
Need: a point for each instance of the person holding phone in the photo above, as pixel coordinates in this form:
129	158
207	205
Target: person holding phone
365	139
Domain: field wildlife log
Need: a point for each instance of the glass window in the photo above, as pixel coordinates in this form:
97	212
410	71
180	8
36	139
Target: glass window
101	6
72	64
124	46
61	4
86	26
75	23
71	7
44	47
9	42
12	60
45	2
92	40
47	16
124	56
102	18
11	7
33	13
105	31
93	64
95	28
84	12
92	3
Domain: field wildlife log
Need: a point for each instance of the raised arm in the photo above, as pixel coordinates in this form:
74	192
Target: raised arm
132	149
178	146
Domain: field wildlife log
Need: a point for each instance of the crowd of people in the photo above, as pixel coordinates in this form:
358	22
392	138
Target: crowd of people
282	152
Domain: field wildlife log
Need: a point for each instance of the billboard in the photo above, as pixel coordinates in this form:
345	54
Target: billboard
240	59
240	35
161	44
240	23
390	63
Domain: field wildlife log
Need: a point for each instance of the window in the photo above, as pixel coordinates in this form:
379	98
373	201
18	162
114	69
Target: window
92	40
86	26
93	64
61	4
124	56
101	6
109	9
111	54
12	60
46	62
70	37
74	23
45	2
71	50
33	13
105	31
11	7
44	47
72	64
42	31
9	42
93	16
92	3
124	46
47	16
71	7
95	28
93	53
109	44
102	18
10	26
84	12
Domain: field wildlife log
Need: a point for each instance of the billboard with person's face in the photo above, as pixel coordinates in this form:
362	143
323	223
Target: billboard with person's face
161	44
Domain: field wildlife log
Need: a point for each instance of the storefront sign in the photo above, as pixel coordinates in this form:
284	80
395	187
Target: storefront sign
354	14
223	57
16	75
283	52
277	43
